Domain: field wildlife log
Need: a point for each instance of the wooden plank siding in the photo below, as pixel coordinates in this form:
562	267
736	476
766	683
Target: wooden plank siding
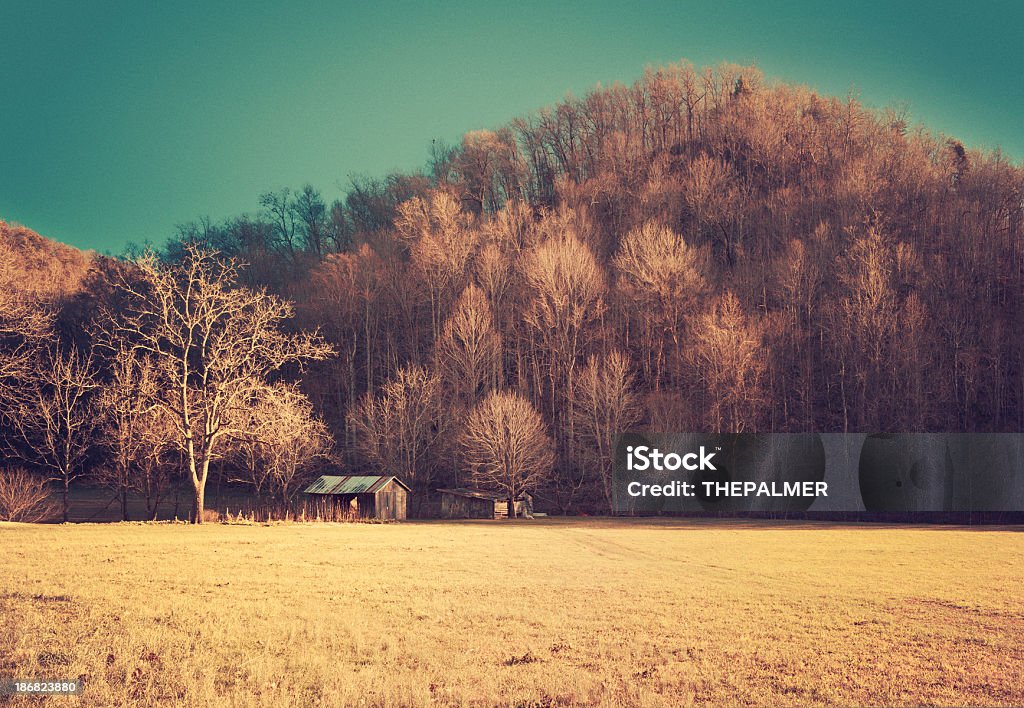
476	504
391	503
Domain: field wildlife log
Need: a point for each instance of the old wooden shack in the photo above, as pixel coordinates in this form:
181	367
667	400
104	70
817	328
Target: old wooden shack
364	496
465	503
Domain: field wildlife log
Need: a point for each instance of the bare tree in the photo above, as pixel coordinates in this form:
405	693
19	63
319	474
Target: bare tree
506	235
606	405
661	279
135	431
469	351
311	213
25	325
24	497
344	296
284	220
713	199
567	286
211	344
867	325
397	431
285	442
54	418
507	446
729	354
441	244
566	290
162	460
488	169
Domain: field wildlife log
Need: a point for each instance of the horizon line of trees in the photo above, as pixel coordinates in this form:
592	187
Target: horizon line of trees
700	251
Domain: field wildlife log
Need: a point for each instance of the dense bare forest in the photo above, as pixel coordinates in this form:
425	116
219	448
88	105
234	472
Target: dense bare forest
700	251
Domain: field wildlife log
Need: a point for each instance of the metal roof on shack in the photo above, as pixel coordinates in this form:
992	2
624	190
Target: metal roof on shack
352	484
479	494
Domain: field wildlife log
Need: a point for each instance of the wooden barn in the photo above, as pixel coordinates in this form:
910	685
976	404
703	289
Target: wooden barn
465	503
366	496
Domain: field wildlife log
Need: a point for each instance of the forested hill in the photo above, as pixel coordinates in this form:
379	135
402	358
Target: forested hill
702	250
38	266
767	259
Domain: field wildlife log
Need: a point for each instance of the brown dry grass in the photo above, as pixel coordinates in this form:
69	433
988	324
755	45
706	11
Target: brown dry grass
548	612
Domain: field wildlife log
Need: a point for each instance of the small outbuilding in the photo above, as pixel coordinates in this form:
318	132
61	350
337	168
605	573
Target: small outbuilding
466	503
365	496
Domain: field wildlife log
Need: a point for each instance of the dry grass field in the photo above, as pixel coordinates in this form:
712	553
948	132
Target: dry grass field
549	612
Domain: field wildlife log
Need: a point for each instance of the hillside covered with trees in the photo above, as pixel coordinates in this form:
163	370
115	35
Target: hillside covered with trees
701	251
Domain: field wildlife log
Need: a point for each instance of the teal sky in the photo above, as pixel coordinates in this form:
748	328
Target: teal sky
121	119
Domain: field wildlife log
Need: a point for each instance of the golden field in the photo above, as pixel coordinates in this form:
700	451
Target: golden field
543	612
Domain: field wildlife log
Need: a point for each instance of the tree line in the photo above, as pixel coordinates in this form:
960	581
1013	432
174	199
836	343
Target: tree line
700	251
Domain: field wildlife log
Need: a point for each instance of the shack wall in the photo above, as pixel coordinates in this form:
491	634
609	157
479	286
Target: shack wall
392	503
458	507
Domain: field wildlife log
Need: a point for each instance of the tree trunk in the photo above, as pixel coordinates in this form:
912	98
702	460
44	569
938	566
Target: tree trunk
199	480
198	503
511	507
65	499
124	504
